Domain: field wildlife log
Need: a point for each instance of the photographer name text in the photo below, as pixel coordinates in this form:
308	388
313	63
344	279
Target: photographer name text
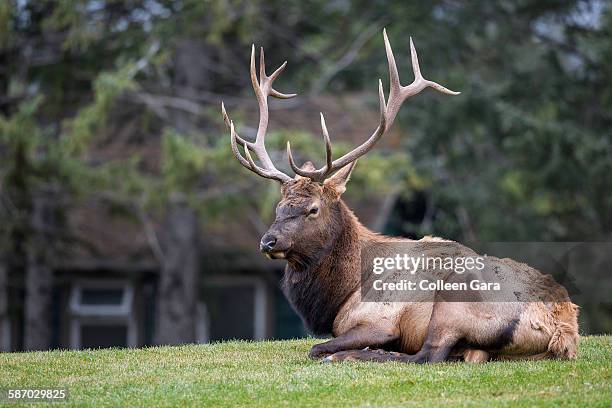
412	264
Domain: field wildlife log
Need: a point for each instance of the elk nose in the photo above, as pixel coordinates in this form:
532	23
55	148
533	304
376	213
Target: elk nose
268	242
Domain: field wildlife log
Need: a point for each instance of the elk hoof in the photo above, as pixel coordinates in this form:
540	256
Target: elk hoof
318	351
348	355
366	354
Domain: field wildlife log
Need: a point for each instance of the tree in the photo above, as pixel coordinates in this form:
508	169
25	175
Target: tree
42	168
4	322
528	138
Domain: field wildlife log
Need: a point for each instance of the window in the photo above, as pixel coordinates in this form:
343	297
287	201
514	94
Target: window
103	335
93	297
102	315
235	308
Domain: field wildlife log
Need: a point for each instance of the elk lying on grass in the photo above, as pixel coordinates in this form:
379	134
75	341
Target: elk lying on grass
325	246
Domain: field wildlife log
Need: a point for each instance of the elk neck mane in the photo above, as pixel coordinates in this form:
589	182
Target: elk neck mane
318	286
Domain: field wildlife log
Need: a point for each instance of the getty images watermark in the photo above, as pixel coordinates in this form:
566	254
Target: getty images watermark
427	271
410	264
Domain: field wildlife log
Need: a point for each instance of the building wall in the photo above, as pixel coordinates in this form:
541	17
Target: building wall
231	306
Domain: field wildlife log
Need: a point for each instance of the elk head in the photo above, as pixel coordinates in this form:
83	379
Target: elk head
308	214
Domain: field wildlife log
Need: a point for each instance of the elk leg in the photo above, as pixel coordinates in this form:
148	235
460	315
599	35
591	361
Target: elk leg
440	340
442	335
436	349
432	352
360	336
381	356
475	356
378	356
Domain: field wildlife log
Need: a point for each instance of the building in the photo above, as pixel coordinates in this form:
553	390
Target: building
104	292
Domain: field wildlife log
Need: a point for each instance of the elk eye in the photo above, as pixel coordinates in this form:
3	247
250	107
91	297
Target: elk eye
313	211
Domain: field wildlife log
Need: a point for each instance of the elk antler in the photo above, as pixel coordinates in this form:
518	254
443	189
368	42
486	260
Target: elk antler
397	95
263	89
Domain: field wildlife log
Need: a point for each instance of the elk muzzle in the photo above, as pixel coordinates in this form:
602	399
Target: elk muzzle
269	246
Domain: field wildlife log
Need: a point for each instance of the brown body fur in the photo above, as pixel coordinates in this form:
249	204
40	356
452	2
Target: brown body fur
325	290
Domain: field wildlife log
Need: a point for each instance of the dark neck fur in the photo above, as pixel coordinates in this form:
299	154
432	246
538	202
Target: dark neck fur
318	288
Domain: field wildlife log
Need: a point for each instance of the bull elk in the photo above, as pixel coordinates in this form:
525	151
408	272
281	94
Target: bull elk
325	247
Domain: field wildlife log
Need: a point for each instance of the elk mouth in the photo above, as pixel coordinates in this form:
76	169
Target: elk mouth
276	254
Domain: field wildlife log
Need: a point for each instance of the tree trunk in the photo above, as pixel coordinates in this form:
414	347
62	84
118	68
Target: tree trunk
4	334
38	280
179	279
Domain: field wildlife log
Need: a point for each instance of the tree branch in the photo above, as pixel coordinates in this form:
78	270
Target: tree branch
347	59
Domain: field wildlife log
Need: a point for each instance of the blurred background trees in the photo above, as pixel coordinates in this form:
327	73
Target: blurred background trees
88	87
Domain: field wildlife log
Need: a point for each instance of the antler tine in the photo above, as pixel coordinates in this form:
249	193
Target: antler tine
294	166
253	73
395	86
418	78
235	151
262	64
249	163
398	93
322	172
228	121
263	88
328	146
388	111
417	72
331	167
272	174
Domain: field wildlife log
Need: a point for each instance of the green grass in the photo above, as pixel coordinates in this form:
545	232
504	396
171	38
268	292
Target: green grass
278	373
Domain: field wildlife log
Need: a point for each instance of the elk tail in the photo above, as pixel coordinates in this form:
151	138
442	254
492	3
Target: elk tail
563	344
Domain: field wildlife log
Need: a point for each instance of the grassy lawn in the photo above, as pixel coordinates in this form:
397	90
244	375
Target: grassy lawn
279	373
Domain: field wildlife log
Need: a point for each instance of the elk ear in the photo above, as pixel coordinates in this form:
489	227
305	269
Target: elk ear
308	166
338	181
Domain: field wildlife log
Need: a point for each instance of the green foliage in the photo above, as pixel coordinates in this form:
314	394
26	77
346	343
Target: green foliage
525	149
182	163
90	121
20	131
528	138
